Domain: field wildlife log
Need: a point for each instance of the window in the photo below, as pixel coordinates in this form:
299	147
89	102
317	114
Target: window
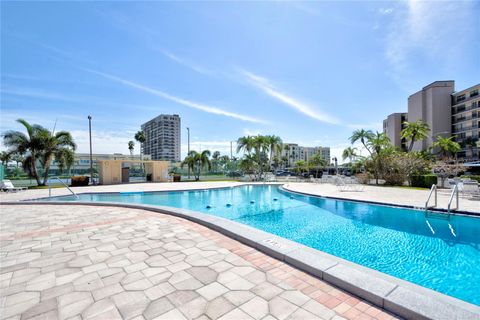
474	93
461	97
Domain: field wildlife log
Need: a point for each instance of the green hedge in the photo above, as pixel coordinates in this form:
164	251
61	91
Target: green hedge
423	181
472	177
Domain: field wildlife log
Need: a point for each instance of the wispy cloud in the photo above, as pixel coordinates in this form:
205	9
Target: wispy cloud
35	93
187	63
424	30
182	101
385	11
267	87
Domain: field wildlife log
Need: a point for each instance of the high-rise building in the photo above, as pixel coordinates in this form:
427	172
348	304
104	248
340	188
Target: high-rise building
432	105
466	121
447	113
392	127
162	137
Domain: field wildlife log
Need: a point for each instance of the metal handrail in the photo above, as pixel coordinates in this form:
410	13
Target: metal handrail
433	188
454	192
66	186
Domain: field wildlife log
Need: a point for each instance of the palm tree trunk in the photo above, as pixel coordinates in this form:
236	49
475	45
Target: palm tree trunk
410	147
45	175
34	169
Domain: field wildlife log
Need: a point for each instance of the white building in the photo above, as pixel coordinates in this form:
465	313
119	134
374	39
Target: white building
162	137
292	153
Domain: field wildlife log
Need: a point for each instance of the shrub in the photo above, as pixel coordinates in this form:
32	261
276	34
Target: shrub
477	178
394	179
364	178
80	181
424	181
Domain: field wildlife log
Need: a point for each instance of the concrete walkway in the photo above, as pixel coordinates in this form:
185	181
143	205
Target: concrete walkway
65	262
391	195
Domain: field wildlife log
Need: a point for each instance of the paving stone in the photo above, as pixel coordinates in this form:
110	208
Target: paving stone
130	303
257	307
157	308
267	290
295	297
195	308
107	291
41	308
21	297
189	284
212	291
318	309
98	308
239	284
238	297
301	314
179	298
236	314
203	274
281	308
41	282
73	304
141	284
18	308
159	290
56	291
218	307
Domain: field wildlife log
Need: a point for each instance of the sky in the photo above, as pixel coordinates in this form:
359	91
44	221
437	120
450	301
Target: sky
309	72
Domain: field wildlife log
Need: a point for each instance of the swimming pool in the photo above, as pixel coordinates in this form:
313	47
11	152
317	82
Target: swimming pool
433	250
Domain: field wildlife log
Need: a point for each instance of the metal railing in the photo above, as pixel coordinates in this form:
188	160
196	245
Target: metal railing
432	189
454	192
66	186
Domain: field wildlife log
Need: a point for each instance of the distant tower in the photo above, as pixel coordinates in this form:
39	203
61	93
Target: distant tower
162	137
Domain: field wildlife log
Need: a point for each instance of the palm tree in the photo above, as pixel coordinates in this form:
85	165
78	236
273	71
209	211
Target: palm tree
30	144
197	161
363	136
414	131
379	141
140	137
317	161
131	147
215	160
349	153
246	144
447	146
274	145
60	146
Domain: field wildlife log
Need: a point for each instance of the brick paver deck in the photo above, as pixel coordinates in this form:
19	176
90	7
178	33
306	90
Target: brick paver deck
82	262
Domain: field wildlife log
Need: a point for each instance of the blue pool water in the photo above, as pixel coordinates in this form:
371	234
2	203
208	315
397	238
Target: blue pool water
434	250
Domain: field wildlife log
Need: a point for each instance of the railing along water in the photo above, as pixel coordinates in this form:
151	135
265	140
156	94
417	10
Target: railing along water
432	189
66	186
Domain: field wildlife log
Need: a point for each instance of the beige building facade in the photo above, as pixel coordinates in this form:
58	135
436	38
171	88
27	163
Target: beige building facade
292	152
446	112
393	126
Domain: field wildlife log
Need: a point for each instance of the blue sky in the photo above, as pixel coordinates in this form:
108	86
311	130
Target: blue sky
310	72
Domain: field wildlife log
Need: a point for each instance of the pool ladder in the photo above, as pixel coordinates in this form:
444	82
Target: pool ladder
432	190
453	195
66	186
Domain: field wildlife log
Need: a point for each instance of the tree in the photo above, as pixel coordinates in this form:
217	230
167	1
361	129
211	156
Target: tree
363	136
140	137
58	145
197	161
414	131
215	161
246	144
18	158
274	145
41	145
349	153
317	162
5	157
446	168
131	147
447	146
300	166
470	143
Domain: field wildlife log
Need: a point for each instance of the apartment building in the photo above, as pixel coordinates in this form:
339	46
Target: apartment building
466	121
292	152
162	137
446	112
393	126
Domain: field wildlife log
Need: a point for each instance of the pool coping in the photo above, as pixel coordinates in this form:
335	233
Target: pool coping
403	298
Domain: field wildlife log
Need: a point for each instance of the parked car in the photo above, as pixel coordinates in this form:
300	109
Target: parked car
284	174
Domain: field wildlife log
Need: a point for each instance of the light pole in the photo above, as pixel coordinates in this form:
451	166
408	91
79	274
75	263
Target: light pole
188	148
231	150
90	136
336	165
